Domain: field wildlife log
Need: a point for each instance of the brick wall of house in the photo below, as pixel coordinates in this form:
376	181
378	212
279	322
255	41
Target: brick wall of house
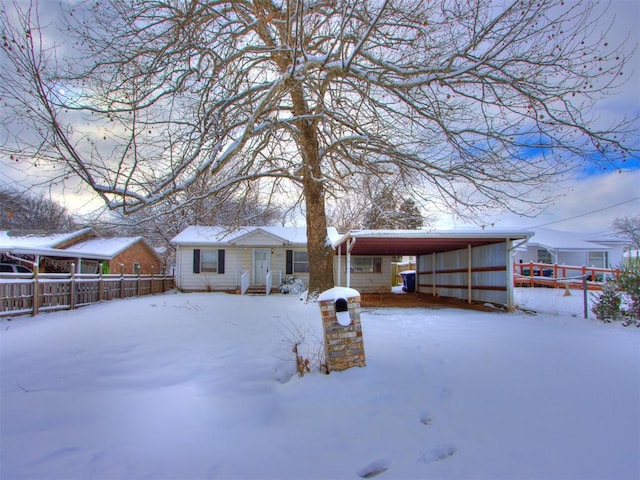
139	253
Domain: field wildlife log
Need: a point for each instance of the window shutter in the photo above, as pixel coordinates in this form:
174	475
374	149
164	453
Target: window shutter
196	260
289	268
220	261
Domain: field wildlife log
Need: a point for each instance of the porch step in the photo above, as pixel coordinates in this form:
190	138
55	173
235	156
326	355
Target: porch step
256	290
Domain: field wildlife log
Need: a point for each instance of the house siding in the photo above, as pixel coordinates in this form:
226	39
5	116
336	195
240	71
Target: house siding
238	259
366	282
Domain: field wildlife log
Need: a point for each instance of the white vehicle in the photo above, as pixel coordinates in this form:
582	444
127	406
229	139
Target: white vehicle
13	268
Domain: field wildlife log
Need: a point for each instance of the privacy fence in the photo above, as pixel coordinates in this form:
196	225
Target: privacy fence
45	292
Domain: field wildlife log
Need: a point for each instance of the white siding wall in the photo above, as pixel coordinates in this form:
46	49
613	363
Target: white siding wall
237	260
189	281
366	282
575	258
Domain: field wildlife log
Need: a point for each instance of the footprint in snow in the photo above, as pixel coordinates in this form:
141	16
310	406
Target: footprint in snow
440	452
374	469
425	418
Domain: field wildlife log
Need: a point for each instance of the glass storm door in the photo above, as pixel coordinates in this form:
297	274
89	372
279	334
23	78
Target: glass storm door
261	265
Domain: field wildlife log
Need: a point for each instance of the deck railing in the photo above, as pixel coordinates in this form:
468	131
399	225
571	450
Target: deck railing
66	291
561	276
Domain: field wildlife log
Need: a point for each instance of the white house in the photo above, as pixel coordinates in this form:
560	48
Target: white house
222	259
557	247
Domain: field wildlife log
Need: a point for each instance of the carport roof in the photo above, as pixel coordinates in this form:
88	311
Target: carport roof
422	242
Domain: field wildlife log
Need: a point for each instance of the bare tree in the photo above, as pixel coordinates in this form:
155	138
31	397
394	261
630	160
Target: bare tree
32	211
161	222
476	102
629	227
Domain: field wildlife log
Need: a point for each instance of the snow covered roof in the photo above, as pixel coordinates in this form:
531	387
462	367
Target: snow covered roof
48	245
561	240
419	242
219	235
10	240
109	247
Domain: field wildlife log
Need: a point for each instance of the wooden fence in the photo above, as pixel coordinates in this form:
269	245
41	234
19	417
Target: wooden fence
64	291
561	276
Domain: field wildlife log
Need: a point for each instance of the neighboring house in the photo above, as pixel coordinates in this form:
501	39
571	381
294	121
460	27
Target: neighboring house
55	253
572	248
127	255
221	259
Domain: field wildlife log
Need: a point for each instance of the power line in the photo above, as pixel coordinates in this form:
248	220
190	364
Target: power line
586	214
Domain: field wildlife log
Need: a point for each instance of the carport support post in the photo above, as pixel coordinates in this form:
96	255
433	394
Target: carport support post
510	279
350	243
469	276
433	274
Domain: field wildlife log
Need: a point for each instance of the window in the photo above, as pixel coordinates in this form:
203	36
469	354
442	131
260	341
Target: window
209	261
544	256
300	262
366	264
597	259
296	262
136	268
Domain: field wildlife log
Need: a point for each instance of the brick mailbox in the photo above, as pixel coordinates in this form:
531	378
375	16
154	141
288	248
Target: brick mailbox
343	343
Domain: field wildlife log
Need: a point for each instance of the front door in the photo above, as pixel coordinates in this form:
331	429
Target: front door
261	265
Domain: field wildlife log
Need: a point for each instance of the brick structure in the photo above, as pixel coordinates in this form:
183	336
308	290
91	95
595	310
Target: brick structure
148	261
343	342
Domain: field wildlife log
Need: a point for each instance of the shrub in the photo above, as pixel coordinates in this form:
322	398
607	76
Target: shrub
607	305
292	285
620	298
629	285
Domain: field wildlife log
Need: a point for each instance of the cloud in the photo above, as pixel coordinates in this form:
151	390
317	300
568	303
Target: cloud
587	204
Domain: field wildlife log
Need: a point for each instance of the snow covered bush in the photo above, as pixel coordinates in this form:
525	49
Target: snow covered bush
620	298
629	285
292	285
607	306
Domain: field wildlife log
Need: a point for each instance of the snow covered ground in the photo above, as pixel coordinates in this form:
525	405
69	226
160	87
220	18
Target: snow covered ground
201	386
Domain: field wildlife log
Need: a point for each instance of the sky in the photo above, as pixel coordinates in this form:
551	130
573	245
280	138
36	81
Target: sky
588	202
203	385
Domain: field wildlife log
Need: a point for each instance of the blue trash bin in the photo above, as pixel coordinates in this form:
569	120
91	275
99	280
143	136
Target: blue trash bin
408	281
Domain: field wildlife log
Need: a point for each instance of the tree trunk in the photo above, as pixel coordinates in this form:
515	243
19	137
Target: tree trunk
320	252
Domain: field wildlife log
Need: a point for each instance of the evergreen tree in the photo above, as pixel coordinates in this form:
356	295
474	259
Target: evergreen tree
410	216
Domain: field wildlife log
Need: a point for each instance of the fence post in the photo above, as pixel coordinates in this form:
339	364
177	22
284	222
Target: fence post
122	280
72	287
586	296
36	290
100	285
531	274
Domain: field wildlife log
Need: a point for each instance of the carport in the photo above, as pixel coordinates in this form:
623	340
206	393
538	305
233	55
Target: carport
476	266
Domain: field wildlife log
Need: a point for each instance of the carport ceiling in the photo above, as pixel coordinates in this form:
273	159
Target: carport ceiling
425	244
